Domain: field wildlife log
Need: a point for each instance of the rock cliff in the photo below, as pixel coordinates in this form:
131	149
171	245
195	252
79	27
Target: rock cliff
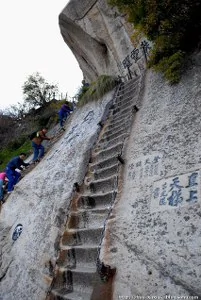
39	204
152	234
100	38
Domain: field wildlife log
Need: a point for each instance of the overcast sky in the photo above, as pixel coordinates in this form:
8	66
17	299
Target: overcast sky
31	42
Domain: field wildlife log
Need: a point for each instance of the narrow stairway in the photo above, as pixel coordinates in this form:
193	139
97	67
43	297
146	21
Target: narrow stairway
76	277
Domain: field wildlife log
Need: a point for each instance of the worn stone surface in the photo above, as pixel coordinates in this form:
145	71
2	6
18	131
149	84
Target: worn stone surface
40	203
99	37
155	232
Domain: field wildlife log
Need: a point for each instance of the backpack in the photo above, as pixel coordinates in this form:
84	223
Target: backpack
33	135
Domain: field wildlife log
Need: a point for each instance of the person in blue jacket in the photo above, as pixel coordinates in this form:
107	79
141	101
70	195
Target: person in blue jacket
13	175
63	114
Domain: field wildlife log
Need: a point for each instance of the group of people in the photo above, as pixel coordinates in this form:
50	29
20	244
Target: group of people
10	177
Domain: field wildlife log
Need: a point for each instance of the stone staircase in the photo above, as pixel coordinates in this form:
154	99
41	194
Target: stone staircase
76	277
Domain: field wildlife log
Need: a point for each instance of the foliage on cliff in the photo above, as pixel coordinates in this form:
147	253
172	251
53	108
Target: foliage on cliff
97	89
173	26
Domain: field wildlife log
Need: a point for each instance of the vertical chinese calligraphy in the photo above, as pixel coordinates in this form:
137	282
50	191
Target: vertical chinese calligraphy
177	191
135	56
146	167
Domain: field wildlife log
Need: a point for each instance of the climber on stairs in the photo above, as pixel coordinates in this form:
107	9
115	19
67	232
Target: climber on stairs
11	173
38	148
64	112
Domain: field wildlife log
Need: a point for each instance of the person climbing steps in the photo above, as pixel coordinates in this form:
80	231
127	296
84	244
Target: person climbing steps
11	173
38	148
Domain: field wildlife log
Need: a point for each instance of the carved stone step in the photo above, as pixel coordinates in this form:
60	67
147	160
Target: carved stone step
119	122
96	200
113	130
114	127
108	153
103	163
64	294
108	136
122	119
124	114
124	93
125	101
82	256
128	85
103	185
118	111
82	237
76	280
114	141
87	219
106	172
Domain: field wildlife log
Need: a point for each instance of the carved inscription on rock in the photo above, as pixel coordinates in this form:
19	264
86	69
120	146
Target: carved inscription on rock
176	191
146	167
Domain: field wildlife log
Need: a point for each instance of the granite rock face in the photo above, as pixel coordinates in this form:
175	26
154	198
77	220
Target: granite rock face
153	234
40	204
155	231
100	38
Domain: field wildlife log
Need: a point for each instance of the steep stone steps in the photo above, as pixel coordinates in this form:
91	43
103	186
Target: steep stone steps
102	164
76	280
81	256
123	103
106	172
129	85
103	185
114	129
80	237
96	200
113	141
87	219
108	136
126	92
119	111
125	96
113	134
64	294
124	123
123	114
108	153
117	118
77	276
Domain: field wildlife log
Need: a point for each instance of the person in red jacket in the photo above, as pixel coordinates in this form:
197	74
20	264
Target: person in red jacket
3	181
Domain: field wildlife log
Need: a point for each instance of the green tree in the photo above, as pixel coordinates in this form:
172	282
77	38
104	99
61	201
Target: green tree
37	91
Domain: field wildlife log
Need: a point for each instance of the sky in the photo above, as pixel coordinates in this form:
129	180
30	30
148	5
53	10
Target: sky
31	42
